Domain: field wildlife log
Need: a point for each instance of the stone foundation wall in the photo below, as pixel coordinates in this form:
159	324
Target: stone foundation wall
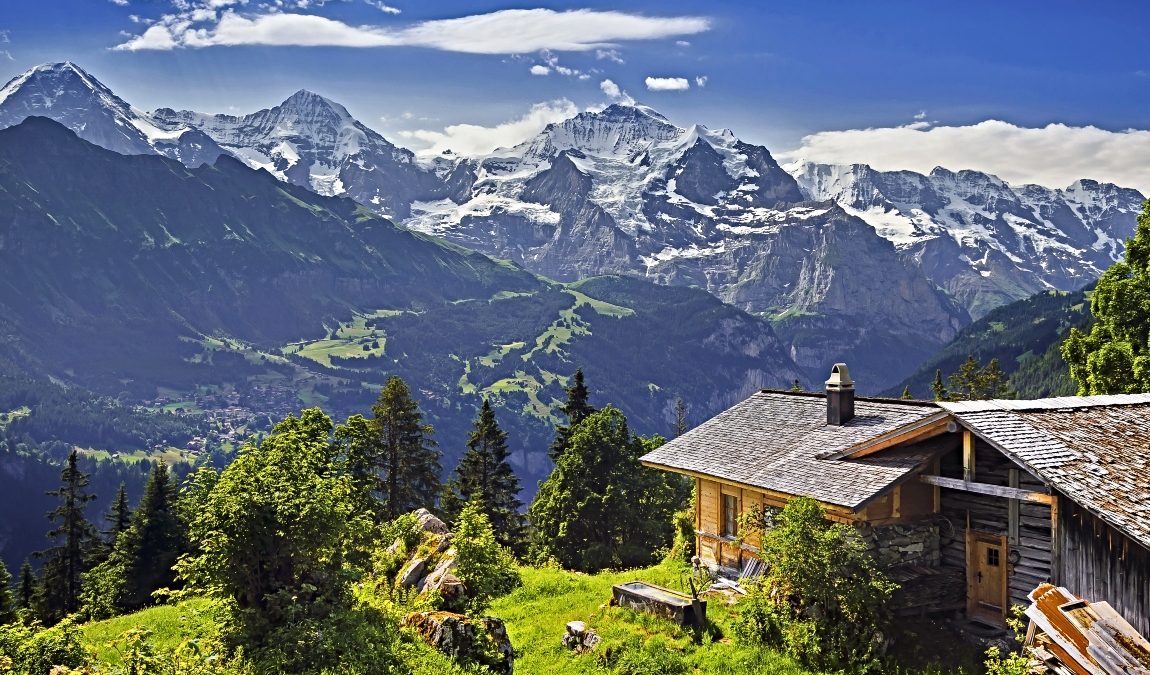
905	543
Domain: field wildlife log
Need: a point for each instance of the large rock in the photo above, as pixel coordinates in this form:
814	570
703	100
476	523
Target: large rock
481	641
411	573
437	576
429	523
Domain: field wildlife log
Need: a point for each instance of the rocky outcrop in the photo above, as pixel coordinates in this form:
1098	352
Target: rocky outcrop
478	641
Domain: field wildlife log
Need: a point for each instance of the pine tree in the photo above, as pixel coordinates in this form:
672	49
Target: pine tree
65	564
939	389
7	604
392	457
577	408
974	382
484	477
681	424
906	395
143	556
119	516
26	590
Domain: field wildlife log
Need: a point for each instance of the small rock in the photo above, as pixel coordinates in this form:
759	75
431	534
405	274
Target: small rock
576	627
393	548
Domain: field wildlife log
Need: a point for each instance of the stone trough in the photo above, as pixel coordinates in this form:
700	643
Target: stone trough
641	596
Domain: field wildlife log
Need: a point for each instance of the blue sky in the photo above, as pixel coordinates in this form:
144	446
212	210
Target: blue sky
897	84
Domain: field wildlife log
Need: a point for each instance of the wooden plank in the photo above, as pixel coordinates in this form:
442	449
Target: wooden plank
988	489
932	426
968	453
1055	543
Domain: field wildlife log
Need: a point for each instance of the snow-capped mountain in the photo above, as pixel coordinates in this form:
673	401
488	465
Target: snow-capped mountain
67	94
986	242
312	141
624	190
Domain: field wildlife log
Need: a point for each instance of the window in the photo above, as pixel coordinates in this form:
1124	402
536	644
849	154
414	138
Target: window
730	514
992	557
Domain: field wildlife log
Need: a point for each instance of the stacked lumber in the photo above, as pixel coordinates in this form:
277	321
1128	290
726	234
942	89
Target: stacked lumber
1072	636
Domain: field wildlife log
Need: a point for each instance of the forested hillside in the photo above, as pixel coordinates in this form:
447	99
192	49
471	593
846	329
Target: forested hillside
1025	337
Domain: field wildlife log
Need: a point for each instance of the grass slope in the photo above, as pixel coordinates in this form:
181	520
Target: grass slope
536	615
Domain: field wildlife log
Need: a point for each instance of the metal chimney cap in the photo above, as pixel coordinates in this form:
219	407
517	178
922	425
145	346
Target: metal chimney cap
840	377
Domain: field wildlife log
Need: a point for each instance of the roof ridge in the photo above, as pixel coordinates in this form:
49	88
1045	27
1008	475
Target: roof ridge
872	399
1051	403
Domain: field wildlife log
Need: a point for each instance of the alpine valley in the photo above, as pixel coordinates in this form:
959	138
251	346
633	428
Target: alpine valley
295	256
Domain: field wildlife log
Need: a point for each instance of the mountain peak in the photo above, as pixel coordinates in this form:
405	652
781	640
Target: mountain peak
304	100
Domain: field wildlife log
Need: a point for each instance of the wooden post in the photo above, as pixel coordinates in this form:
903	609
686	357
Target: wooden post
698	516
967	455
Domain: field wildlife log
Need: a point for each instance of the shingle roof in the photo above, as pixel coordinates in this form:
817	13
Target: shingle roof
772	440
1093	449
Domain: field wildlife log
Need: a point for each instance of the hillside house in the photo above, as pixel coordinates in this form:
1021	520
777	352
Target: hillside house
970	504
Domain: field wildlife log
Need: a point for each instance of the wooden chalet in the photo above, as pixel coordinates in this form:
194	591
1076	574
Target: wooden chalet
971	505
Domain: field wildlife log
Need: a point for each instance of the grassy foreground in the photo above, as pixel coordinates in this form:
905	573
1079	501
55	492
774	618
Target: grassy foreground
536	615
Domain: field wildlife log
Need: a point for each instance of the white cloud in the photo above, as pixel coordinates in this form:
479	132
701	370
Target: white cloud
668	84
612	55
386	9
701	81
540	70
473	139
682	43
120	3
610	88
510	31
1055	155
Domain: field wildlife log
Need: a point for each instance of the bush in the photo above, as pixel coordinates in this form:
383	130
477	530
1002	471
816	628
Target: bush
30	650
486	569
823	601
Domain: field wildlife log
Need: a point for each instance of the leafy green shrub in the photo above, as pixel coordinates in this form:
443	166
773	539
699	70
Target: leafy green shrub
30	650
823	601
486	569
1012	663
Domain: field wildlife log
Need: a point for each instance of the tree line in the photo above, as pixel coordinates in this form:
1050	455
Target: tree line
277	530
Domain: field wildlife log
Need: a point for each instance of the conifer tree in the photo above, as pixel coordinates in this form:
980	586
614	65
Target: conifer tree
119	516
26	590
906	395
938	388
681	425
143	557
484	477
392	457
65	563
577	408
7	603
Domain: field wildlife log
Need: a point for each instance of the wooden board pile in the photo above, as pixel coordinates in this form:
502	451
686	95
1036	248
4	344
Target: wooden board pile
1071	636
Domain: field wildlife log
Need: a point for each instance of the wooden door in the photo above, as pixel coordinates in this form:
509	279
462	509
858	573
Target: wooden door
986	569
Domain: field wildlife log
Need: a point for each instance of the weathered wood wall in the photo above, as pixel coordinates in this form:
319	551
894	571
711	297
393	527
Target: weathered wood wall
1099	563
1027	529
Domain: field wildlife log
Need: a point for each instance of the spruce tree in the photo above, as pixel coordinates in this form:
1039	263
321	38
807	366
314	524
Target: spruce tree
906	395
66	563
392	457
7	603
119	516
577	408
938	388
681	425
26	590
484	477
142	559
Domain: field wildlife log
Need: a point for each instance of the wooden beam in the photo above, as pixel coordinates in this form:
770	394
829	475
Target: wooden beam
988	489
913	433
1055	542
967	455
1012	511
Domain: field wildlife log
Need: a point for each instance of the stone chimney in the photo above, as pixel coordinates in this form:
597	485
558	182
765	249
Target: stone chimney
840	396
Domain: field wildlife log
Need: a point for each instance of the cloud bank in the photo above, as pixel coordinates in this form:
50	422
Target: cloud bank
510	31
1055	155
